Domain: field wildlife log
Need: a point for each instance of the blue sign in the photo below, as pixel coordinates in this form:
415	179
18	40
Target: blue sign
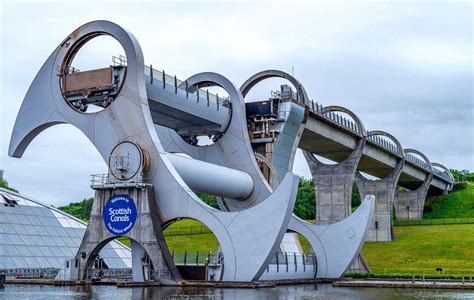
120	214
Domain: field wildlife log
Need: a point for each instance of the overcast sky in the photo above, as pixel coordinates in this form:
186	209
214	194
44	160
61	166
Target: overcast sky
404	68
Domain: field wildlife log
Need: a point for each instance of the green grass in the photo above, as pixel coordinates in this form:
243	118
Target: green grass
189	241
187	235
423	249
457	204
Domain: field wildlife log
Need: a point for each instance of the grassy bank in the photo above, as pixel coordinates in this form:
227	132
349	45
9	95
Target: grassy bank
457	204
187	235
419	249
423	249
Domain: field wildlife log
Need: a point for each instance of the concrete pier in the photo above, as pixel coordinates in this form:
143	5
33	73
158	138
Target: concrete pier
333	185
381	230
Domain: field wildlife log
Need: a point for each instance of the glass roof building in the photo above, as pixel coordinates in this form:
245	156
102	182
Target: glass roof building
36	236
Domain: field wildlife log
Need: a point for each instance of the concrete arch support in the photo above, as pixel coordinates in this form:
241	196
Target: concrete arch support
409	204
333	183
450	186
384	190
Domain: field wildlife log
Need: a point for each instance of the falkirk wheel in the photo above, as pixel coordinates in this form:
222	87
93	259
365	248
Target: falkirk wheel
146	126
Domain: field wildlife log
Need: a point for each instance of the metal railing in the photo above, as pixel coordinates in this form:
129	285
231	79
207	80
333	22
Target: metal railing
185	230
98	180
334	117
293	258
172	82
442	174
421	274
197	258
30	273
341	121
119	273
385	144
434	221
416	161
286	260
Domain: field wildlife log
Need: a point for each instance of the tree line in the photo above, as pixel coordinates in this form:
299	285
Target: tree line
305	206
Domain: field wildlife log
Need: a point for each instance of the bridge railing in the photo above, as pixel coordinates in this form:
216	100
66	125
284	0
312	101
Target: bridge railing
385	144
172	82
442	174
340	120
333	117
350	125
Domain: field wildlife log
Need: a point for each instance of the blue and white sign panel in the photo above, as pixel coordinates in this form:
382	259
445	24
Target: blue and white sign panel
120	214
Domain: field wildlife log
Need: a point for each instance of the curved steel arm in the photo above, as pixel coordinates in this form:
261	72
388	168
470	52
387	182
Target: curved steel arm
248	237
338	244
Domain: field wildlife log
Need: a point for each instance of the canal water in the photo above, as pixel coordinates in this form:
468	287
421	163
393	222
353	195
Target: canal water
307	291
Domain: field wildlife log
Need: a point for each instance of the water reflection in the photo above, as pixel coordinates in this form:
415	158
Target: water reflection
307	291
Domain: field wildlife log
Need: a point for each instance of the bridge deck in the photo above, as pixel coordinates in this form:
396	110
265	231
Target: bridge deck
332	141
327	135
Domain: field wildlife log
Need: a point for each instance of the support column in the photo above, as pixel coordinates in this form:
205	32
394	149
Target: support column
409	204
381	229
333	185
145	232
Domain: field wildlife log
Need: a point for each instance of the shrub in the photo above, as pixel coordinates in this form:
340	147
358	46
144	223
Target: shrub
460	185
427	209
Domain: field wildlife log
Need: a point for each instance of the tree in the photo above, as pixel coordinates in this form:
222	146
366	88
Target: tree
462	175
81	210
4	184
305	206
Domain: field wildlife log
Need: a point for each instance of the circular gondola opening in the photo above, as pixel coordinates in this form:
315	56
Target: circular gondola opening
93	72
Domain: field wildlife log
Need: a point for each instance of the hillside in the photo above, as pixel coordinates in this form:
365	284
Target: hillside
423	249
457	204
